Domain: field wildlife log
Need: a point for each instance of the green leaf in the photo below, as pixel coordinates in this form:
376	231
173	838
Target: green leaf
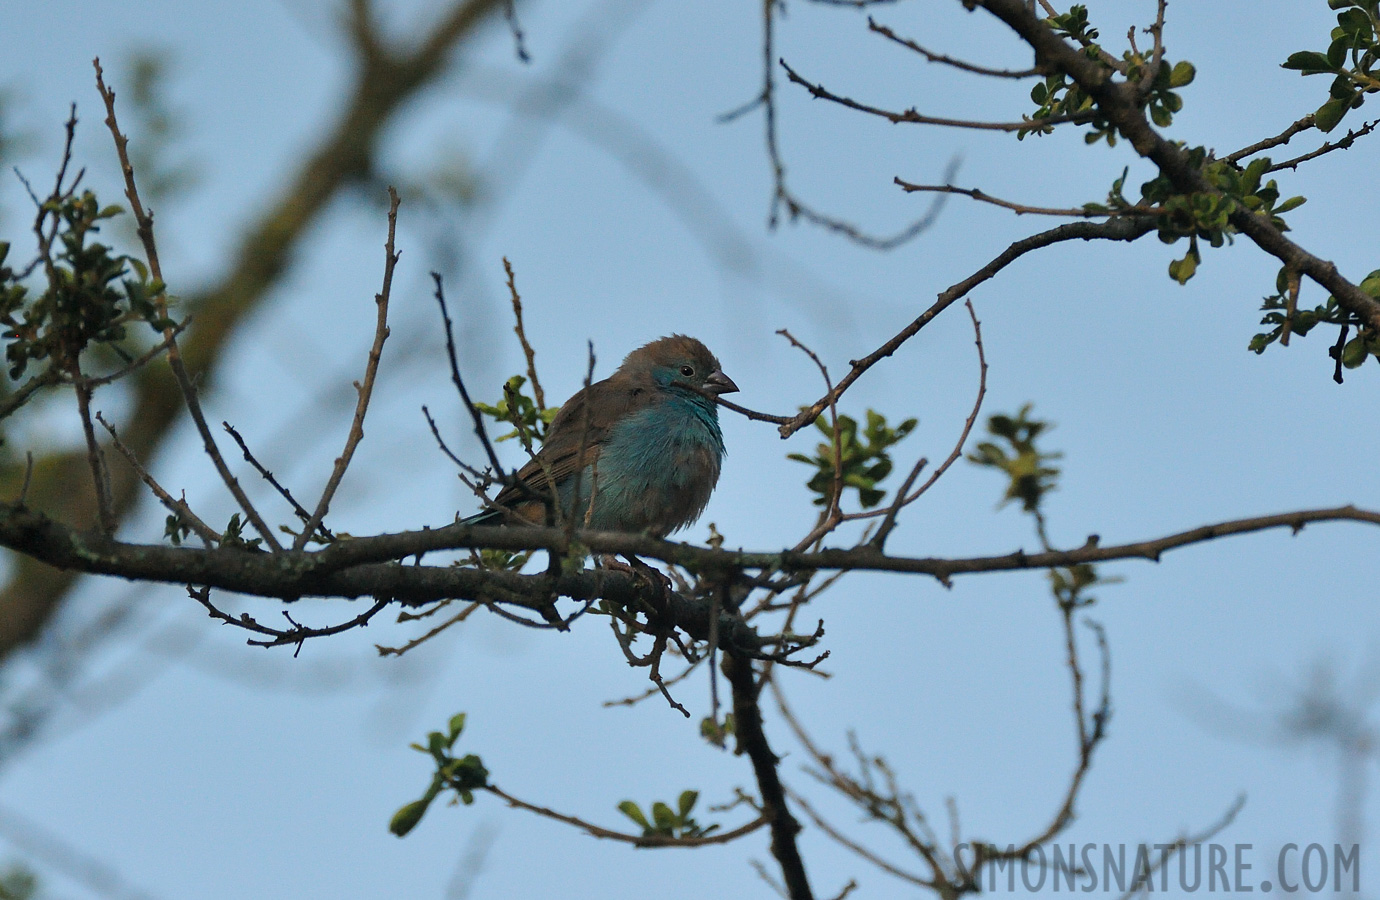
1291	203
1356	24
663	817
686	802
1371	284
406	819
1336	52
457	725
1330	113
1309	62
632	811
1181	270
1355	352
1182	74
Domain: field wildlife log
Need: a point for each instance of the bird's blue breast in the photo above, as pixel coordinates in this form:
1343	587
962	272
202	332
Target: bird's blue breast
657	467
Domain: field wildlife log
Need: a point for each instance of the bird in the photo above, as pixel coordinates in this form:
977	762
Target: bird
637	452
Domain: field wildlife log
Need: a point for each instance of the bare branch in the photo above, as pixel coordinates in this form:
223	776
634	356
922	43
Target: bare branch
913	117
1283	137
480	431
1021	208
268	476
144	225
1342	144
94	456
177	507
902	498
1118	229
365	388
887	33
47	378
277	637
527	350
752	740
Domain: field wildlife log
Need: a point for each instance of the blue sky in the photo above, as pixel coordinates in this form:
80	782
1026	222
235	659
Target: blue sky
195	766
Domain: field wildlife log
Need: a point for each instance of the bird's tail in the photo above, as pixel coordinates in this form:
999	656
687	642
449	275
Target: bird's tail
487	517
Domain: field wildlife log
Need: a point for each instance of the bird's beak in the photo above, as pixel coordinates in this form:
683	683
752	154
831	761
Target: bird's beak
719	383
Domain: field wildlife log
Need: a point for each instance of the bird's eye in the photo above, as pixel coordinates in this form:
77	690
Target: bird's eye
687	371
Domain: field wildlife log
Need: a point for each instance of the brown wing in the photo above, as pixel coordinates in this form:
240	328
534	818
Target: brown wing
576	436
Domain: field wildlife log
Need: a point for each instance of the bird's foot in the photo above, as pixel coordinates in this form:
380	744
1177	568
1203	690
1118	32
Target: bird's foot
641	571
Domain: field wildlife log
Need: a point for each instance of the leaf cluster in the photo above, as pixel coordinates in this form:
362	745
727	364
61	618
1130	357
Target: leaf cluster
1351	59
1353	353
233	536
862	458
1014	452
665	822
1207	215
1070	584
464	775
1059	96
88	298
521	411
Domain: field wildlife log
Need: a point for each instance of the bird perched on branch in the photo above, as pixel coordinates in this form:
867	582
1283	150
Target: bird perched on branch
639	451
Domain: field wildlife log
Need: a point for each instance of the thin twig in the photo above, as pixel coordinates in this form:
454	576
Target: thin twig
831	515
268	476
480	431
1283	137
453	620
149	356
521	332
634	699
483	478
28	475
277	637
913	117
365	388
94	455
887	33
519	44
144	226
1118	229
858	849
642	840
902	499
1021	209
1342	144
753	414
783	197
177	507
48	377
1141	883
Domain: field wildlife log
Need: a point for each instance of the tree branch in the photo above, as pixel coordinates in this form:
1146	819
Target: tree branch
1119	229
1118	102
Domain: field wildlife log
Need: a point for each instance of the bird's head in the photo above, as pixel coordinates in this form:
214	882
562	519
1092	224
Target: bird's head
680	361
